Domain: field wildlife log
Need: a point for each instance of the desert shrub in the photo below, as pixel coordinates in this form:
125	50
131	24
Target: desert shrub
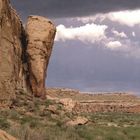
14	115
31	121
4	124
48	102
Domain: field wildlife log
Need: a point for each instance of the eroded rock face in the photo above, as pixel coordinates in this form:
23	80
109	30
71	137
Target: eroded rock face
68	104
40	35
12	57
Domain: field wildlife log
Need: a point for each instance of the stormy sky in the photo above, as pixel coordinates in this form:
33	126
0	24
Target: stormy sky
72	8
97	45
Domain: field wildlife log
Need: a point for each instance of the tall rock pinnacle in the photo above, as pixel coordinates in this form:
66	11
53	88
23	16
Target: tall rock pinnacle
40	35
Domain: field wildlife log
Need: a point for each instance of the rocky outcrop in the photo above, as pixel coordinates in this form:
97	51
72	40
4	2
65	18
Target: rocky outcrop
68	104
40	36
119	106
12	43
16	71
77	102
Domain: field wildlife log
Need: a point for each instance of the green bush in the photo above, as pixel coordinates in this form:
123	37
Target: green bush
4	124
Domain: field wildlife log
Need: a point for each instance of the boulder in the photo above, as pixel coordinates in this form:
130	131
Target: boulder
68	104
53	109
40	35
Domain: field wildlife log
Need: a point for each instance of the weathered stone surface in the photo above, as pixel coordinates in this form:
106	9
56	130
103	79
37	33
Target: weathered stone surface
12	57
40	36
6	136
68	104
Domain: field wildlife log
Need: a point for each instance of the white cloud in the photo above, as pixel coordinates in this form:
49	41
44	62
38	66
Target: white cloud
129	18
88	33
114	45
133	34
119	34
95	33
88	19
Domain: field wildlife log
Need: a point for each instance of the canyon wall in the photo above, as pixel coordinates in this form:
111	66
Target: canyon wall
12	41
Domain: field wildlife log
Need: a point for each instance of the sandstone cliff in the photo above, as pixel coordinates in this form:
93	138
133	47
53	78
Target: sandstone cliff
12	37
40	36
19	69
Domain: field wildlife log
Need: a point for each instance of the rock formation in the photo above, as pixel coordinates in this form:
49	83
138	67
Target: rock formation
68	104
12	37
40	36
22	67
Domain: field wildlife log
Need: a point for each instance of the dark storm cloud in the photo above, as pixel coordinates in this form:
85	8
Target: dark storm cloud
72	8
